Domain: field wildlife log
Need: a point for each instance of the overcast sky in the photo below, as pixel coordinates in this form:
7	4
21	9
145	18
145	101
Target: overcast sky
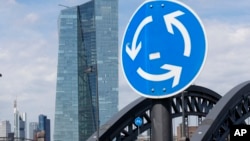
29	45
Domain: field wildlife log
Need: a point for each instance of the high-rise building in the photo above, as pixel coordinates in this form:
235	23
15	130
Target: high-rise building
5	128
87	68
20	120
33	129
44	125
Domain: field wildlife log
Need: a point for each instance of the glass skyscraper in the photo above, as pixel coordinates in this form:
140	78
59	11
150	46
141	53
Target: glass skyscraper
87	66
20	120
44	125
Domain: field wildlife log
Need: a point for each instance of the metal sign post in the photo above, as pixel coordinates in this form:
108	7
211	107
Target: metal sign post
138	123
161	119
163	51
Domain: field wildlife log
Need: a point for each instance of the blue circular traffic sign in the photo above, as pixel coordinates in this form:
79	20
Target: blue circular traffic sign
164	48
138	121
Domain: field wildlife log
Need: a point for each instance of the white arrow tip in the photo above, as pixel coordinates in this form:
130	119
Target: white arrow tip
175	71
171	19
132	53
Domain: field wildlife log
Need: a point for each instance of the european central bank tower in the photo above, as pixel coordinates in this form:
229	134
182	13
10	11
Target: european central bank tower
87	68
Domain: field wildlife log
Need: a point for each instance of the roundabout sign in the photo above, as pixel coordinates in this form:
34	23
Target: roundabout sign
163	49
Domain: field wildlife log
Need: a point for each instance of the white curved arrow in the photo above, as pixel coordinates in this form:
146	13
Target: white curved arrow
135	49
170	21
174	72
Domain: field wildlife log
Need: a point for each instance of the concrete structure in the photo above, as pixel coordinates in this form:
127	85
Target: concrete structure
20	120
87	74
5	128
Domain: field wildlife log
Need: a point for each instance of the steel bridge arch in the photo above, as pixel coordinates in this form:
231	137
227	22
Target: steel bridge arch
198	101
230	110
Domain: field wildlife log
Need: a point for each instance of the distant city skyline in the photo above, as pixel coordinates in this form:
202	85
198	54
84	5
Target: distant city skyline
26	130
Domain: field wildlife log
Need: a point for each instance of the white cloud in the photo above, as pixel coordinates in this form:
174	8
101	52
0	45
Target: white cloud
31	18
4	54
228	60
28	60
126	94
7	3
240	35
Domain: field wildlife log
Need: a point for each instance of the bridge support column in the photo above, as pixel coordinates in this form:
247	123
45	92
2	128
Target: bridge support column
161	120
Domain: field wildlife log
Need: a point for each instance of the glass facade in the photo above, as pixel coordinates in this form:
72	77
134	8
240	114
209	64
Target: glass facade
88	53
44	125
20	120
106	20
